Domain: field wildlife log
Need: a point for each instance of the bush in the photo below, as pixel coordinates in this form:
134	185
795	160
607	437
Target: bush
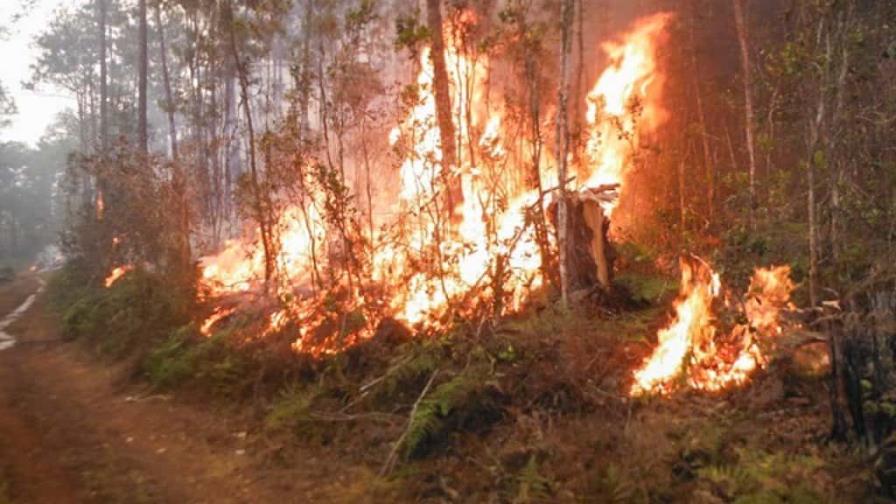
136	311
183	359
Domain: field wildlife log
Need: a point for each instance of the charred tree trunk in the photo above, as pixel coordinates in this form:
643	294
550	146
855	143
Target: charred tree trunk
231	141
442	91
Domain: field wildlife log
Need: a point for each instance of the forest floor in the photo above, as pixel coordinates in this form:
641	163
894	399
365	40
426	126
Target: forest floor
75	430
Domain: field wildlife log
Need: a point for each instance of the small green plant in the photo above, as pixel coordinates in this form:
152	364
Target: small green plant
532	486
762	477
170	363
447	408
5	497
183	358
611	484
292	411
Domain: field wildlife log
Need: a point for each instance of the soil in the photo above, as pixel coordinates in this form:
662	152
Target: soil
75	430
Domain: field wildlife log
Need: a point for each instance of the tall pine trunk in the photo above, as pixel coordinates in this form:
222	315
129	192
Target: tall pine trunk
567	15
166	78
104	78
708	168
743	40
258	197
143	70
443	105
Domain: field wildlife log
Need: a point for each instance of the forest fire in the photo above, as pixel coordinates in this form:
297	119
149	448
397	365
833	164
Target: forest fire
488	252
692	348
116	274
625	101
218	315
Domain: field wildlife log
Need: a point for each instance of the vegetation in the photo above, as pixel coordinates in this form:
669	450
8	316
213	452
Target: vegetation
278	205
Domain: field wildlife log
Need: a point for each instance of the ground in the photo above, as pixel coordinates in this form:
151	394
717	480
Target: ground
75	430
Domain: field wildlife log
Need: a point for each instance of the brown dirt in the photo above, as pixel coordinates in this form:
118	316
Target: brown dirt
74	430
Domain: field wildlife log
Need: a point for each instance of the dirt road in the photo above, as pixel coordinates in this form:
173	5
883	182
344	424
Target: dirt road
75	430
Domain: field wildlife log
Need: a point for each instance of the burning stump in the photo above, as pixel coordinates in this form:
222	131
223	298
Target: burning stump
591	255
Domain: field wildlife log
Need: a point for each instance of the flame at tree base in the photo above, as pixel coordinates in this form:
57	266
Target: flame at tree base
690	351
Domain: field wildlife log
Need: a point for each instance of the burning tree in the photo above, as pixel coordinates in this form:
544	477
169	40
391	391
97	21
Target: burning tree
435	257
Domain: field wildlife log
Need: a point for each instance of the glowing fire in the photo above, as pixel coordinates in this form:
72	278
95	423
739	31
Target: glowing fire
690	351
116	274
220	313
624	101
433	268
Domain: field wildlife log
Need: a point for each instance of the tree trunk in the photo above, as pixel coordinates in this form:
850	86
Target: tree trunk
104	90
442	90
742	39
567	15
169	99
143	70
231	141
708	168
258	197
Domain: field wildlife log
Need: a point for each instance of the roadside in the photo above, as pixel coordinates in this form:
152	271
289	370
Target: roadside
75	431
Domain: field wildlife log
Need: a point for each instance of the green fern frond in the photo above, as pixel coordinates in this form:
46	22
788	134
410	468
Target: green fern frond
428	420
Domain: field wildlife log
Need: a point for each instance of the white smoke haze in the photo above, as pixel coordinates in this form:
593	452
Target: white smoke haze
22	21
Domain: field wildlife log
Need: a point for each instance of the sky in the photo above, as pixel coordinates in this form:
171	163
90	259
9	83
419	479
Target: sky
38	108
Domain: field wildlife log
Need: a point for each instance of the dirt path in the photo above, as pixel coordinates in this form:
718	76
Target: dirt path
73	430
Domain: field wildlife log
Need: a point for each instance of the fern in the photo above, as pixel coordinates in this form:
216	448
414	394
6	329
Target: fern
410	369
429	419
531	485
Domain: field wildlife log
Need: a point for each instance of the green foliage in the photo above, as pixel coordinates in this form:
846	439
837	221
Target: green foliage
612	485
410	370
182	359
648	288
447	408
292	411
763	477
410	32
170	363
532	486
138	309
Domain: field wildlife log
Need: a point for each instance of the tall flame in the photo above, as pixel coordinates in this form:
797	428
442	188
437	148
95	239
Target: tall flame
689	347
624	101
490	250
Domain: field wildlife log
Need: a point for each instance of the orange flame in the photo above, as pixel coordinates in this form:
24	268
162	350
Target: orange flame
220	313
116	275
490	250
689	345
624	100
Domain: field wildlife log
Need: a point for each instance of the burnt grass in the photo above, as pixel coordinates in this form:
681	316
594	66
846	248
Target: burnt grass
532	408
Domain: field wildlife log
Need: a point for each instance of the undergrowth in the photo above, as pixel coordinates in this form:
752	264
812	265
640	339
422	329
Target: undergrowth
130	316
528	409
